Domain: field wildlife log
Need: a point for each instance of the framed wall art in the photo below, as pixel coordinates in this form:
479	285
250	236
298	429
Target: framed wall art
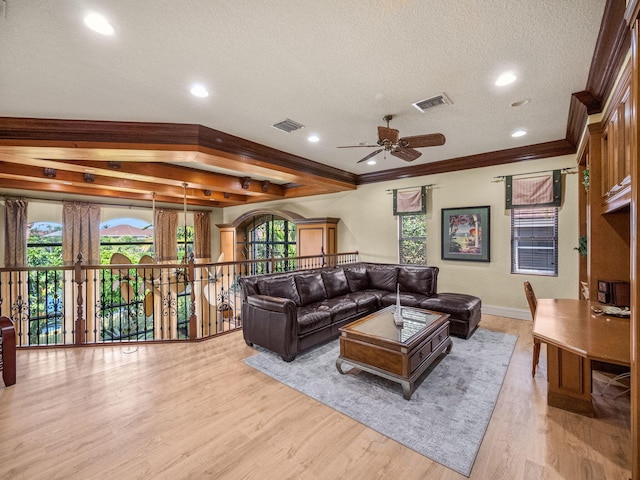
465	234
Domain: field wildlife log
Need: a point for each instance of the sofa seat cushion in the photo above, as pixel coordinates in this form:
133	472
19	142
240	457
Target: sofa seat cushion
376	293
310	288
313	317
406	299
366	302
339	308
458	305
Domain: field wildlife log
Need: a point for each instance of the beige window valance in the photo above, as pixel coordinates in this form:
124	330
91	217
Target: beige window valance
410	202
540	190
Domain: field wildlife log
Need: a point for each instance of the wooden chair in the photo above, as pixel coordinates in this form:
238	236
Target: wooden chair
531	298
7	351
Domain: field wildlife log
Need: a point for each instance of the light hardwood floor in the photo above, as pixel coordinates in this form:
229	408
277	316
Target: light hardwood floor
197	411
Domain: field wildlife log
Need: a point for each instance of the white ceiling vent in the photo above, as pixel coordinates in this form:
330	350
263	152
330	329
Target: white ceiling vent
427	103
288	125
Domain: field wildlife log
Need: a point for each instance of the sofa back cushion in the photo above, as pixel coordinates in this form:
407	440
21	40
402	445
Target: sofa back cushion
418	280
357	280
383	278
249	285
284	287
335	283
310	288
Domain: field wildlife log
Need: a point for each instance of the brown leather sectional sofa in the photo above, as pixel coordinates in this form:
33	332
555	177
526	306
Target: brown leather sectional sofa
290	312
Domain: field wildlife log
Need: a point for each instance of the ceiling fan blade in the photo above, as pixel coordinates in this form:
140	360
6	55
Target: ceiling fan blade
419	141
388	134
358	146
406	154
372	154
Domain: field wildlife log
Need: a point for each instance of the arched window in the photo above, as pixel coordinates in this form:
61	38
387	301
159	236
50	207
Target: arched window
266	236
270	236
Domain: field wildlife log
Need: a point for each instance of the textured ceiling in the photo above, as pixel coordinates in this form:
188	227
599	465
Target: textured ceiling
335	66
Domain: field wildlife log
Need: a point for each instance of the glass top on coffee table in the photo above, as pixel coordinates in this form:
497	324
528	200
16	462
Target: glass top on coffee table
381	323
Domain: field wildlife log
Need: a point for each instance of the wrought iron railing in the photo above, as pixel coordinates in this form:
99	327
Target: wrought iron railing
93	304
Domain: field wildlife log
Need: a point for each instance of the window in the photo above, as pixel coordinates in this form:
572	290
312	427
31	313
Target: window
128	236
44	244
534	241
269	236
412	242
44	286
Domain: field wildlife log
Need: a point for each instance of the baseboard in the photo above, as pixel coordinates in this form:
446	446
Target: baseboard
517	313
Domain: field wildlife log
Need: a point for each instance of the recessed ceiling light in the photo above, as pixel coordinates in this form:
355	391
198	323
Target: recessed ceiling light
371	162
519	133
520	103
199	91
314	138
98	24
505	79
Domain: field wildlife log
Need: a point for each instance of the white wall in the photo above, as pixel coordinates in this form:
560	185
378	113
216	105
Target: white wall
367	224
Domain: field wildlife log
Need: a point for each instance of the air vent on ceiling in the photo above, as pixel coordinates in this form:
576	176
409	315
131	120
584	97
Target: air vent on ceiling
427	103
288	125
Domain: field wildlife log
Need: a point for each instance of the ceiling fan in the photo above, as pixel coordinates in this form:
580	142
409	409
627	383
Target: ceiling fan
404	147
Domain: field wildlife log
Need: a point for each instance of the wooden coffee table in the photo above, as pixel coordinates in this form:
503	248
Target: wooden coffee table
401	354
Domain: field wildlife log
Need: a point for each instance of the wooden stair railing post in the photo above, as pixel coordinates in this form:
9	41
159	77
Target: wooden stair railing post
193	318
8	340
80	323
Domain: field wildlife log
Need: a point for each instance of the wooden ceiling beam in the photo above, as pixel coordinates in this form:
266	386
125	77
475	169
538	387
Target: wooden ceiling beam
164	142
177	175
9	182
77	153
61	180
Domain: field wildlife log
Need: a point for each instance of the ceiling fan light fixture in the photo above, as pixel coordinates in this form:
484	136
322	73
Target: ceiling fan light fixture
371	162
389	140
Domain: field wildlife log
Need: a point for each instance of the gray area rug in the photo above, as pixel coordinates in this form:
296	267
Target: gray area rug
448	413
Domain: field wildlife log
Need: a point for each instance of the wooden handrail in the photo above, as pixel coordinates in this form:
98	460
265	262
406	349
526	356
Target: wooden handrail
71	302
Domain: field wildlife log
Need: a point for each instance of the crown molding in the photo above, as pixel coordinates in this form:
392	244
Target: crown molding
500	157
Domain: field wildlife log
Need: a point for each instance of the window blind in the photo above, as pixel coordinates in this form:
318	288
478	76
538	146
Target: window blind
534	241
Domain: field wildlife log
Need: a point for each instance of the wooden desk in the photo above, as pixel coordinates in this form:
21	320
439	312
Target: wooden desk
574	336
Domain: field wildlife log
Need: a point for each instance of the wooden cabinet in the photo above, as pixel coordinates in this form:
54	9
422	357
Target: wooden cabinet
607	229
317	235
314	236
605	218
615	159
